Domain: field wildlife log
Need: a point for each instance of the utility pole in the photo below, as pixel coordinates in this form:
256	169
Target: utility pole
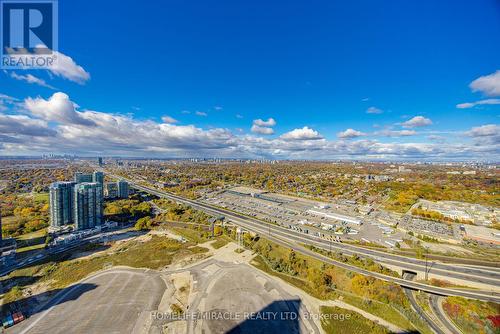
425	267
426	271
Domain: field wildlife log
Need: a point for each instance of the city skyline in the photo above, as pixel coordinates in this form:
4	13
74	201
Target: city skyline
250	166
360	81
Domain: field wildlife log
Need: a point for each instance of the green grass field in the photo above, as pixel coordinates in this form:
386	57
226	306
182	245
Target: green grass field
193	235
29	242
220	242
41	197
342	321
32	235
28	249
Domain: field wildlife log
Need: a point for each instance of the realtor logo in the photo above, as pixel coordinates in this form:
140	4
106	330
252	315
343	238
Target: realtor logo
28	33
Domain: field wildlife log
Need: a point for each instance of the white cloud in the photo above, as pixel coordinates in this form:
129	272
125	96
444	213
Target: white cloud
29	78
374	110
262	130
115	134
436	138
66	67
485	131
239	116
488	85
417	121
263	127
23	125
57	108
399	133
259	122
350	133
6	101
305	133
7	97
478	103
485	135
201	113
63	66
218	108
169	120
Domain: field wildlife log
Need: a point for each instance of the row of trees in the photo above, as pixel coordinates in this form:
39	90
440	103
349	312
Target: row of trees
126	209
437	216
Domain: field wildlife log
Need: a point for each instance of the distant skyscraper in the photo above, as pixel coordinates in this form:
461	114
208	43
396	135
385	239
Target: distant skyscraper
61	203
123	189
88	209
99	161
82	177
98	177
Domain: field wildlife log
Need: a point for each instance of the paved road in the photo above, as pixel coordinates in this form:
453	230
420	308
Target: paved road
276	231
488	275
410	294
107	302
411	297
435	303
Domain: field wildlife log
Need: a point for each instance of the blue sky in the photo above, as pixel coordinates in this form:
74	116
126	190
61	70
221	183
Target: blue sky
217	67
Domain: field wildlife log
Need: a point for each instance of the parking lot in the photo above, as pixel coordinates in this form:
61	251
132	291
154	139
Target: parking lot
113	301
331	221
427	227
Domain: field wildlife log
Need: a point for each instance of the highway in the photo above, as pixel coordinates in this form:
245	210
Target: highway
43	254
434	326
410	294
294	239
486	275
437	309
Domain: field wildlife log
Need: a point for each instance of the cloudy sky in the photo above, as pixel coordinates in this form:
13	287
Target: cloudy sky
286	80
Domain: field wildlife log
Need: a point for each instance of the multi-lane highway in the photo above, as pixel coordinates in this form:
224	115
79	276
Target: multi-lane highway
45	253
292	239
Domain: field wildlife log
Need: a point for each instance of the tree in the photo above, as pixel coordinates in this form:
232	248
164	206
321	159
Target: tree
144	223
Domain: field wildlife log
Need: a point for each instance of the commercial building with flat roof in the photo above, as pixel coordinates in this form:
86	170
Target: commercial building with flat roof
335	216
